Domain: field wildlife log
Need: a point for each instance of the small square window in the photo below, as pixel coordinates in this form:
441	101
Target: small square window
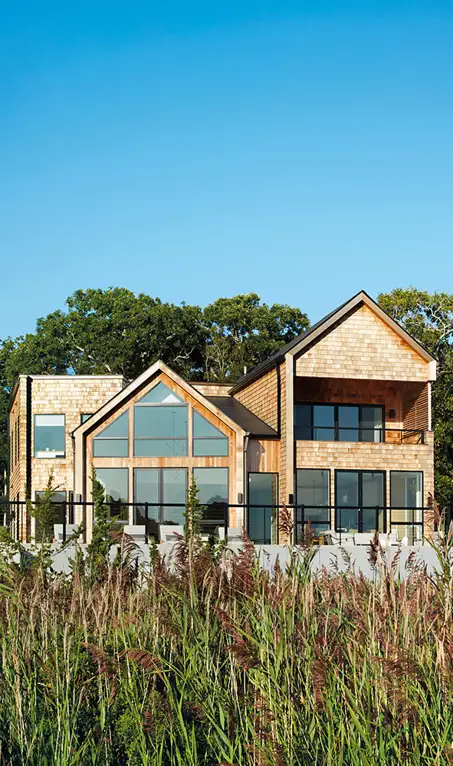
49	436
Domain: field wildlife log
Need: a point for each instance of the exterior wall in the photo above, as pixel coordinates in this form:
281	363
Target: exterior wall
234	460
362	346
362	456
417	407
261	397
212	389
71	396
18	442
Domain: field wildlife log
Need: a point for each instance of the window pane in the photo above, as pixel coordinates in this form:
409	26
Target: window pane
160	394
302	422
323	422
347	495
115	483
160	421
348	424
206	447
160	447
312	489
201	427
49	436
110	447
406	489
146	490
174	490
372	497
119	427
371	424
85	416
212	484
261	521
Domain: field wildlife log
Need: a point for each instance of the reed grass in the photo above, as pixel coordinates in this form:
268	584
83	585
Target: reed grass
218	662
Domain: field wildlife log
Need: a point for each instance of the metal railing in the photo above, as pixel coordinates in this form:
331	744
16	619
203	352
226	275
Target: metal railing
374	435
312	521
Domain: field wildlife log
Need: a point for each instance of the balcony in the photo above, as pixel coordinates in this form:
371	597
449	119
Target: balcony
377	435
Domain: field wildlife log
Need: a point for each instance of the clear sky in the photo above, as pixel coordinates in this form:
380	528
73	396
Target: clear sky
194	149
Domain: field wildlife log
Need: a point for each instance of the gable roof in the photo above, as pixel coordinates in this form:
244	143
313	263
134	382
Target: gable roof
135	385
313	333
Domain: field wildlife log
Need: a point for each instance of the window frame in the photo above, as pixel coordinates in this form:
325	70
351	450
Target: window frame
162	405
221	437
275	506
99	438
329	494
336	428
52	455
359	507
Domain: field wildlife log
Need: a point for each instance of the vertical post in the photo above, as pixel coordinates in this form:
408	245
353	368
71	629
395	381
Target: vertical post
64	520
146	517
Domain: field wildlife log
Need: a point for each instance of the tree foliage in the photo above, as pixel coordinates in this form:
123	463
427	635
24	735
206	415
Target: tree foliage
429	318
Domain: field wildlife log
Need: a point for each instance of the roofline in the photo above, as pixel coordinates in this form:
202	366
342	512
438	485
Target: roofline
73	377
135	385
324	325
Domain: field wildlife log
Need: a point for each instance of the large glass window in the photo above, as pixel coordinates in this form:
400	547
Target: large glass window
360	501
49	436
207	439
261	520
212	484
339	422
113	441
164	489
312	498
116	485
160	424
406	499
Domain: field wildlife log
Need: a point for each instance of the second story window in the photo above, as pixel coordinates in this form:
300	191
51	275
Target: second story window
339	422
160	424
49	436
113	440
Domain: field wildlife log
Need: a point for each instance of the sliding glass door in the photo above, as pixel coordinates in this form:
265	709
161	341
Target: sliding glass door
360	500
165	491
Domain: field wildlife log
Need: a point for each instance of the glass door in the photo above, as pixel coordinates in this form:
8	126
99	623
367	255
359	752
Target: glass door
165	491
261	520
360	501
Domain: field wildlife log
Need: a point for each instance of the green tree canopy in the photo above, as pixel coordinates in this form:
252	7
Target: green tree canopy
429	318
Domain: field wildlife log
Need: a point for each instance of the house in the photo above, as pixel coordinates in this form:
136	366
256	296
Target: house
335	425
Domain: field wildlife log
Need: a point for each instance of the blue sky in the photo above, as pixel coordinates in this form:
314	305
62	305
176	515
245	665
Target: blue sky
192	150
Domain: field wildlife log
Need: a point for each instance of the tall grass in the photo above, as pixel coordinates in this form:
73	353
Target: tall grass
216	662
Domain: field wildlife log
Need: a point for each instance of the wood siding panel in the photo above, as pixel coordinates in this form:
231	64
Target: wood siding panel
261	398
362	346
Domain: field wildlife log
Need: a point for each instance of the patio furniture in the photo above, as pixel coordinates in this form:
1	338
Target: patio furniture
234	535
58	531
136	531
170	533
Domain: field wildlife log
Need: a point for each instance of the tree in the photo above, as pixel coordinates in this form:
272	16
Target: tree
429	318
243	332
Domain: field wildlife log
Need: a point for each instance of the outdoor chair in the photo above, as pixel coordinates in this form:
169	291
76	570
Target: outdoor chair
136	531
169	532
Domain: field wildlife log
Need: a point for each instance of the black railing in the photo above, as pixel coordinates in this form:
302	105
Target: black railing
376	435
265	524
313	521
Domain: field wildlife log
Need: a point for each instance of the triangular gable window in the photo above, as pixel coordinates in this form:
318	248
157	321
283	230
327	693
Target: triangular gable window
207	439
113	441
160	394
